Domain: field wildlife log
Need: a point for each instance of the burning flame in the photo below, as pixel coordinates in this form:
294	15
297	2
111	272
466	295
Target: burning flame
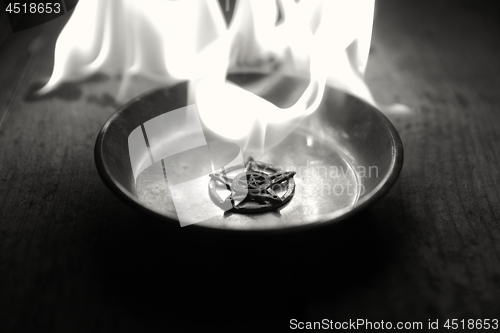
324	41
164	41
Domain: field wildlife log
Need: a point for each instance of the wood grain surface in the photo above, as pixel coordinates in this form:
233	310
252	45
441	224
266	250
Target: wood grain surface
73	258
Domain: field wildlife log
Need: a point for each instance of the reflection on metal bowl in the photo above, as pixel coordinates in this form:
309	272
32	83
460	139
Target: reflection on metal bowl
346	155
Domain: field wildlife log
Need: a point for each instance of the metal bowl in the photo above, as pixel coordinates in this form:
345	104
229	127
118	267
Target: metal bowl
346	142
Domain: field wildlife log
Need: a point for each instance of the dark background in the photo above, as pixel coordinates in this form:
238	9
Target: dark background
73	258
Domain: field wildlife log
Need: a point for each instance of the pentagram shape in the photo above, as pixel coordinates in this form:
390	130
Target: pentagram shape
252	181
254	190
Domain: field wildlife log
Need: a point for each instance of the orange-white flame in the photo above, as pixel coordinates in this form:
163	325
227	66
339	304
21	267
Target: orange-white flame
324	41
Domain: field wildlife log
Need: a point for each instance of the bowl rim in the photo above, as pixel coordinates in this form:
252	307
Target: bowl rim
331	218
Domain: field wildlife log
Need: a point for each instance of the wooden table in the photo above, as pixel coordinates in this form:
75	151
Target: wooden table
73	258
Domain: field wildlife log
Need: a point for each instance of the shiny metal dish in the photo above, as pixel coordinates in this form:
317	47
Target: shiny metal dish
347	155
